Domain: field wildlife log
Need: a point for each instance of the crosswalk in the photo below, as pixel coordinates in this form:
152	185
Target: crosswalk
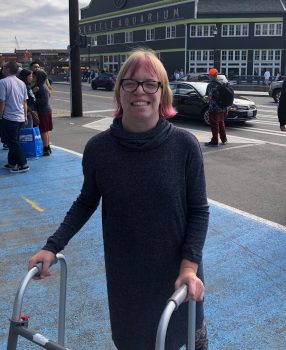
265	125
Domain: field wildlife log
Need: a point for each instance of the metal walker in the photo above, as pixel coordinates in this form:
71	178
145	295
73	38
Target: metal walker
19	322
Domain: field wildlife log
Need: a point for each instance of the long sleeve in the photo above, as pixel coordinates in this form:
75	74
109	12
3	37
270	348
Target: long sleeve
80	211
198	209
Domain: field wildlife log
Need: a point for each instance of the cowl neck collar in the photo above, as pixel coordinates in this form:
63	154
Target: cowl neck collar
141	141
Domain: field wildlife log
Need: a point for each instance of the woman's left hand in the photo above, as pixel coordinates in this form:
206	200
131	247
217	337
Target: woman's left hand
196	289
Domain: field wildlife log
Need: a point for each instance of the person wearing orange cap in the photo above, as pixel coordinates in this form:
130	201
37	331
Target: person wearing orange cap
216	112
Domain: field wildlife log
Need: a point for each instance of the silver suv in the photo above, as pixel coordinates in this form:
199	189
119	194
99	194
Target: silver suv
275	90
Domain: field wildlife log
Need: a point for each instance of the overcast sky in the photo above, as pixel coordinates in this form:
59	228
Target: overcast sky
37	24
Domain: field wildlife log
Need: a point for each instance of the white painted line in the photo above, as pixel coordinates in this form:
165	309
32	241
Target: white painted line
267	106
101	125
61	99
225	149
99	111
68	150
224	206
250	216
264	131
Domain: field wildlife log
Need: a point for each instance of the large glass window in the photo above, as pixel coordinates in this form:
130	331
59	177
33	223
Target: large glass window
93	40
110	39
150	34
170	32
110	63
268	29
200	60
202	30
233	63
129	37
239	29
266	60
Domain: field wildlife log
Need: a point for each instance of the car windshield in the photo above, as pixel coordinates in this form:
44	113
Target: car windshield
200	87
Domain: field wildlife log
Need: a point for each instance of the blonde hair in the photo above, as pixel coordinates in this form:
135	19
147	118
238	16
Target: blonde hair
148	59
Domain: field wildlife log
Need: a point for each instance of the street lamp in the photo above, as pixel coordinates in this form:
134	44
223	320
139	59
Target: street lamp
88	51
215	33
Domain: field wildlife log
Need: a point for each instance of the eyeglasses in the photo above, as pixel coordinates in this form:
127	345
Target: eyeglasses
149	86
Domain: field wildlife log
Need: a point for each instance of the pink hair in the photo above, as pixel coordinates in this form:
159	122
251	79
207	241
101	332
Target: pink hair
147	59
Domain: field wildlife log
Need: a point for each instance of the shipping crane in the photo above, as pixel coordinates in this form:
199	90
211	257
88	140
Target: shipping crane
17	43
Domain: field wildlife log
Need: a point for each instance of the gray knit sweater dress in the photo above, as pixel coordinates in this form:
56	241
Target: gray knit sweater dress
154	214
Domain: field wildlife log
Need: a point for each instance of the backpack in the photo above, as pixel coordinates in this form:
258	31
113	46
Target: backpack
224	95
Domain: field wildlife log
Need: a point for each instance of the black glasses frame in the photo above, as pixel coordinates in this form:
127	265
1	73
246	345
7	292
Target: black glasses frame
141	83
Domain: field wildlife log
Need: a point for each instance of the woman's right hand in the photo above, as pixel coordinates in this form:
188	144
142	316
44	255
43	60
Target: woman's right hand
46	258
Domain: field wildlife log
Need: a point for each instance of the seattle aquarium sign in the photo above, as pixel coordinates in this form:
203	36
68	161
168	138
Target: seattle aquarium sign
185	10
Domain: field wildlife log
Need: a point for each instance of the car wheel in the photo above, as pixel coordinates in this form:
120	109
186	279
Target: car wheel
109	88
276	95
94	87
206	117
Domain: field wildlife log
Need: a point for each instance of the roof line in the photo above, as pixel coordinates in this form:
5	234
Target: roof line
284	7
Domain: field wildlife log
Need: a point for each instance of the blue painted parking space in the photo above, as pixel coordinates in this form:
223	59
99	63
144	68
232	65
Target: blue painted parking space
244	259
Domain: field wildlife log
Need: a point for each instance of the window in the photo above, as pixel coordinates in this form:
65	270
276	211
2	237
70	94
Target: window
110	39
266	59
202	30
268	29
129	37
240	29
170	32
233	62
150	34
93	40
201	61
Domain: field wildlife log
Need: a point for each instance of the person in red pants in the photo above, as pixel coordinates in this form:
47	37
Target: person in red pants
216	113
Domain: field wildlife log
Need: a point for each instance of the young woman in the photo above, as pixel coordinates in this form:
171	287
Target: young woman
150	176
32	116
43	108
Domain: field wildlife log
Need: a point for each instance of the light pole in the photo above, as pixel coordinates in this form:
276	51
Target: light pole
88	51
76	91
215	33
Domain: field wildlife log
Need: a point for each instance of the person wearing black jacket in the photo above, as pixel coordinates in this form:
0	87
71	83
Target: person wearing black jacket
282	108
27	77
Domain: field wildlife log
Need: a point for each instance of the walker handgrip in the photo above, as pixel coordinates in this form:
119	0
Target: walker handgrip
179	296
39	266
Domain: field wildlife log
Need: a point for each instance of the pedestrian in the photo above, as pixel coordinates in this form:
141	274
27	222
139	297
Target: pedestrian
44	109
216	113
278	76
5	147
177	74
34	66
13	111
282	107
26	76
150	177
266	77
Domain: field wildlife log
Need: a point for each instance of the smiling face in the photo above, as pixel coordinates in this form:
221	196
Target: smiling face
140	109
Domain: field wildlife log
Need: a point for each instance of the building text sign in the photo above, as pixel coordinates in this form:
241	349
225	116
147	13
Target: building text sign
150	17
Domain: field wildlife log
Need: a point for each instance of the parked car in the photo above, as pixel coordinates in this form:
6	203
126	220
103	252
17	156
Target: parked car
189	102
104	80
202	77
275	90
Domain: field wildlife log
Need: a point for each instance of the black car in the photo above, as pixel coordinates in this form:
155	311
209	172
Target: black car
205	77
188	100
104	80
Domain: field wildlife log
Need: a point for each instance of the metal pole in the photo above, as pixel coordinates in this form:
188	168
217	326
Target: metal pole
88	47
76	92
173	303
62	301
